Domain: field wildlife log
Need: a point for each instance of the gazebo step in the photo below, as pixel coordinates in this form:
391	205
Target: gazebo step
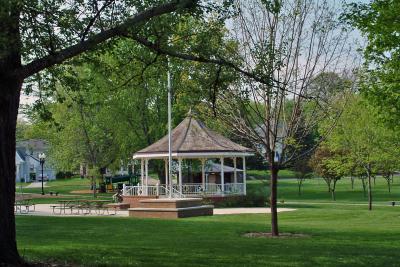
172	203
172	213
134	200
119	206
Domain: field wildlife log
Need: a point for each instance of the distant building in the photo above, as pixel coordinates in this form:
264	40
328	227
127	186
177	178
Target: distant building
27	164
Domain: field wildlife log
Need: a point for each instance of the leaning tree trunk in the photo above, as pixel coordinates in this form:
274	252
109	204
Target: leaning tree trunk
9	102
273	200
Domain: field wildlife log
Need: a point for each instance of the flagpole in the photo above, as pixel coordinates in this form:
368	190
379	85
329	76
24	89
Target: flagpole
169	131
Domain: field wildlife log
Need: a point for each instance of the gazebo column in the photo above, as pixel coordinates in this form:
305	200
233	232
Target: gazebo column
147	176
244	175
166	172
203	174
142	172
222	175
180	174
234	171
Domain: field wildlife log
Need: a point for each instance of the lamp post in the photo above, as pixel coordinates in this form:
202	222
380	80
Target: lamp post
42	158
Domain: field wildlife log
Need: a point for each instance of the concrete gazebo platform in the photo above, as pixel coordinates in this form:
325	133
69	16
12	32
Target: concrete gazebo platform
171	208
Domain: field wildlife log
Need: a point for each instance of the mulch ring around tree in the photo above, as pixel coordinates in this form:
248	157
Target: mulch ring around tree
50	264
269	235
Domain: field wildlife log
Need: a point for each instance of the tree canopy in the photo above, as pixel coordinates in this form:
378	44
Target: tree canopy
379	23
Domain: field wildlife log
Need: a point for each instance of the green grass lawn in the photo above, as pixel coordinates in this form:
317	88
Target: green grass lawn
316	190
340	233
350	236
262	174
64	187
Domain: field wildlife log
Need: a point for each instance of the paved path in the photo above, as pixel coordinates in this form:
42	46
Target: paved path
247	210
36	185
379	203
46	210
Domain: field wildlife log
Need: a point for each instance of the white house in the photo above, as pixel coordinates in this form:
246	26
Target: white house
27	163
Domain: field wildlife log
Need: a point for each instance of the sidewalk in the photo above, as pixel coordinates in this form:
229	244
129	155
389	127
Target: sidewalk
46	210
36	185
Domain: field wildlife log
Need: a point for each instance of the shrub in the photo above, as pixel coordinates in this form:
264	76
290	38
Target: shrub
239	201
64	175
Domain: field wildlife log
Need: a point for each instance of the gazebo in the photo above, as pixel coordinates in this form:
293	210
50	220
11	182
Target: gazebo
191	139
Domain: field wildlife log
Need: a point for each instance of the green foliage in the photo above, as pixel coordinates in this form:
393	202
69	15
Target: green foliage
330	165
360	144
362	137
23	130
379	22
104	107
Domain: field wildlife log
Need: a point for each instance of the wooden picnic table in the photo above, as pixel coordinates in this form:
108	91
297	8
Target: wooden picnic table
97	204
81	205
23	202
64	204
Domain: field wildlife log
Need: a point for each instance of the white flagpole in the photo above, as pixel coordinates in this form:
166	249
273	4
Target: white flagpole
169	131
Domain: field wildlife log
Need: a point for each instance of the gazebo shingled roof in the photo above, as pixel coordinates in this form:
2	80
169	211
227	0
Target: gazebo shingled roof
191	136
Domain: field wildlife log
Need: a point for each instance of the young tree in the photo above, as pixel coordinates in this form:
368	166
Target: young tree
389	163
288	44
364	139
329	165
302	170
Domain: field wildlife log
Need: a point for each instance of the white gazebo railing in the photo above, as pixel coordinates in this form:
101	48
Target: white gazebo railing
193	189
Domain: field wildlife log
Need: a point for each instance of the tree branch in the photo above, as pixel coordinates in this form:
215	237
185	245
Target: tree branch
218	61
74	50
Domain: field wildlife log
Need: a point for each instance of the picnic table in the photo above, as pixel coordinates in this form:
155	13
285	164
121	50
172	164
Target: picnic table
24	202
82	205
99	206
65	204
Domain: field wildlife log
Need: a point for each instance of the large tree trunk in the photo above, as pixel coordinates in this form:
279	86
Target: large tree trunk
10	88
273	200
9	102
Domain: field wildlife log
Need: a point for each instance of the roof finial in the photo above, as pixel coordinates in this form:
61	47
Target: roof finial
191	113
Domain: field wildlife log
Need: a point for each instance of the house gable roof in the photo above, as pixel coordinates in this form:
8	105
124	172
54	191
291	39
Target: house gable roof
19	155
